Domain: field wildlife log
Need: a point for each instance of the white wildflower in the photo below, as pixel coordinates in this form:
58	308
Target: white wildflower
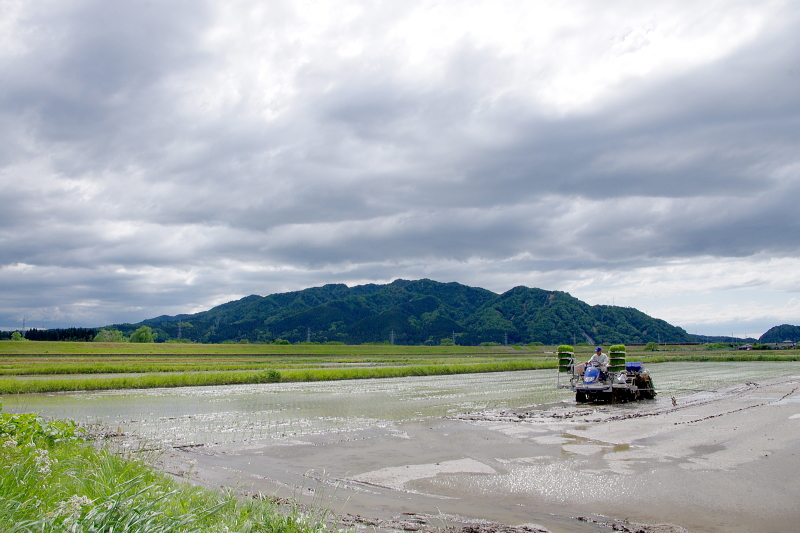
44	462
10	443
73	505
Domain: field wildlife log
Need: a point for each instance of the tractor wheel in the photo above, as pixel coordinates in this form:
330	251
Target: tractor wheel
580	397
599	397
646	389
620	396
616	396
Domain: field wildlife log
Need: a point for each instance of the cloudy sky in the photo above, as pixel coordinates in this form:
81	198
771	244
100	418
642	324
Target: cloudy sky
163	157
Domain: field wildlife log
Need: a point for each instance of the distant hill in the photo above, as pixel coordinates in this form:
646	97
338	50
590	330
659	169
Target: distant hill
416	312
781	333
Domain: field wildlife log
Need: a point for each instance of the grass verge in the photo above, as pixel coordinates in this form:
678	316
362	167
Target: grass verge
718	357
52	482
15	386
293	370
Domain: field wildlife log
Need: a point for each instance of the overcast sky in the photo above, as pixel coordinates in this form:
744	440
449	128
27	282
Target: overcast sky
163	157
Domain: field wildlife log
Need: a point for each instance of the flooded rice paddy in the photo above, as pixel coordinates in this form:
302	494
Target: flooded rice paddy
506	447
241	413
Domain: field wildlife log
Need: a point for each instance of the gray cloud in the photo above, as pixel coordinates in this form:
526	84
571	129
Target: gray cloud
159	157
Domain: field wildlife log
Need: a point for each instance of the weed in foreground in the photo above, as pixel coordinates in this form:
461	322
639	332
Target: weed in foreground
52	482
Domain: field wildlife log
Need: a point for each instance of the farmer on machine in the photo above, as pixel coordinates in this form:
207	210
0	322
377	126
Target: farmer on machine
600	359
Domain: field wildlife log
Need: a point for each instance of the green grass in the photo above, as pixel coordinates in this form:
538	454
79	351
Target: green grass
185	379
22	365
66	368
51	482
51	372
416	370
100	348
719	357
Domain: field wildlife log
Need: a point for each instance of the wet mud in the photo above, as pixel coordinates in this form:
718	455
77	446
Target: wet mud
723	460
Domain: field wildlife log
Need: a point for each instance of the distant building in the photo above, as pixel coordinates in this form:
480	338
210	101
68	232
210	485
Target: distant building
785	345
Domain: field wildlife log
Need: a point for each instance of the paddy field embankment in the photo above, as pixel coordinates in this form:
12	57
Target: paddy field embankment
31	367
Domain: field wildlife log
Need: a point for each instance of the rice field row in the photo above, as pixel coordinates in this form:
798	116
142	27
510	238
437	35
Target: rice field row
102	348
44	372
48	365
187	379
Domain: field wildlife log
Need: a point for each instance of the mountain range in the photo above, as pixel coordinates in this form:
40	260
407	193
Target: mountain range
417	312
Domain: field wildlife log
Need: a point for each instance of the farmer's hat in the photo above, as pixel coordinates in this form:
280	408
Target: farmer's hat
598	349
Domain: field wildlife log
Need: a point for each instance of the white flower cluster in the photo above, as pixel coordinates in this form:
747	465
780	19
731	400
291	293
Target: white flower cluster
9	443
44	462
73	505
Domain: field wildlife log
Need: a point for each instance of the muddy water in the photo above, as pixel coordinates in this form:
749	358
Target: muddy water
243	413
506	447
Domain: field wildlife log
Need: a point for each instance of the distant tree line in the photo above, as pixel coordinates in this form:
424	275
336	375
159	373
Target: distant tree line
66	334
143	334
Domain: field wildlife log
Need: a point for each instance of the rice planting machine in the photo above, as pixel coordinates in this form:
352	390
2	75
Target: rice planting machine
621	381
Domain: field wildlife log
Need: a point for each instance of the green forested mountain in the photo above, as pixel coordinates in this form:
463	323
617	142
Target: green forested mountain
416	312
781	333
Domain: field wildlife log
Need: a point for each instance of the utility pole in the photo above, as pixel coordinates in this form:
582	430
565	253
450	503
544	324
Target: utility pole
391	338
179	329
308	334
505	339
454	337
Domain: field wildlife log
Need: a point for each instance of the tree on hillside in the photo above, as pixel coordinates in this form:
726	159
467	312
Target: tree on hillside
785	332
110	335
143	334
